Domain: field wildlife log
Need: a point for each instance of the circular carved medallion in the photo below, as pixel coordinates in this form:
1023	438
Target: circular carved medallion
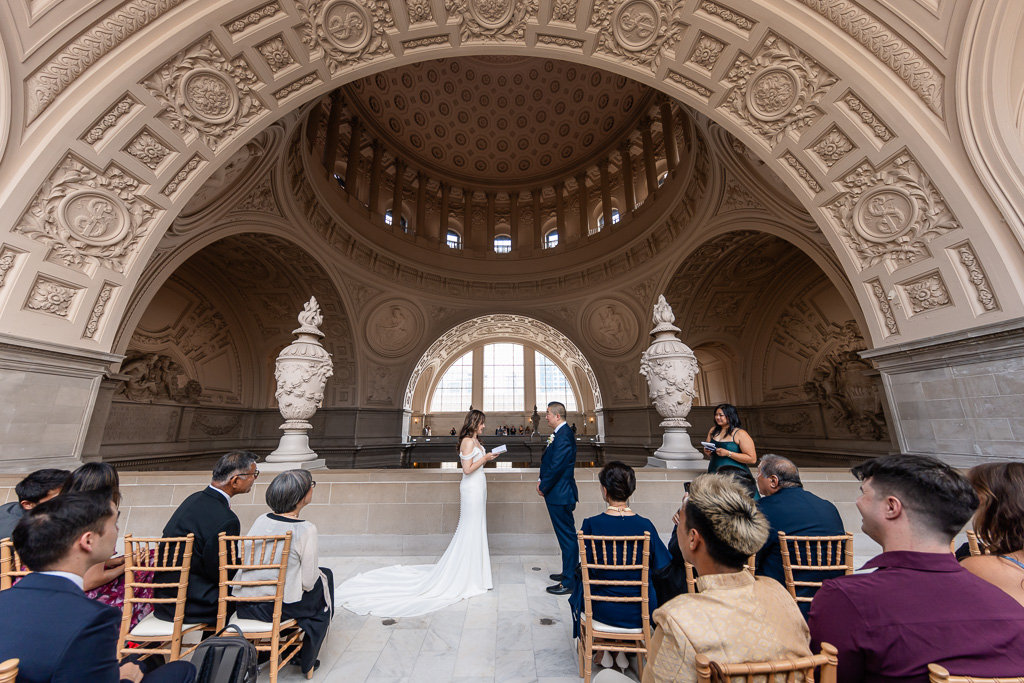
346	25
772	92
636	25
393	327
611	325
210	95
884	214
95	217
492	14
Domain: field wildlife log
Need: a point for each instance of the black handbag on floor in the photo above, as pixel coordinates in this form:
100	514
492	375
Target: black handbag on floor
226	659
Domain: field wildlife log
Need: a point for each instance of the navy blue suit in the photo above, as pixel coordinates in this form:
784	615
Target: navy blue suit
558	484
61	636
796	512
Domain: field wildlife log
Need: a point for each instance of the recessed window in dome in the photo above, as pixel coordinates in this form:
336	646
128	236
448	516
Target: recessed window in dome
453	240
502	244
389	219
551	239
662	178
615	219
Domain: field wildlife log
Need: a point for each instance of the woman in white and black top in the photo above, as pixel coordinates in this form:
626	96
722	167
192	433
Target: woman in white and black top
307	586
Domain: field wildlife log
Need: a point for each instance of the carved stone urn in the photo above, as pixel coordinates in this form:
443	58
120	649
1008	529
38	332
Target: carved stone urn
670	368
302	369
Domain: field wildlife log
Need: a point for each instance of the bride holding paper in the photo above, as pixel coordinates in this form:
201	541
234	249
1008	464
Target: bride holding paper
462	572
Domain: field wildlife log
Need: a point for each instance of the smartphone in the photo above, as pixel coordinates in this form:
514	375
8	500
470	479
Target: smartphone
686	487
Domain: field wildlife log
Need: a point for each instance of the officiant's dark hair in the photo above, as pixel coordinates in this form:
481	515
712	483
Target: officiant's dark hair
474	418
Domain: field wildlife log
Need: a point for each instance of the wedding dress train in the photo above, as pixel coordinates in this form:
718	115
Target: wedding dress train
462	572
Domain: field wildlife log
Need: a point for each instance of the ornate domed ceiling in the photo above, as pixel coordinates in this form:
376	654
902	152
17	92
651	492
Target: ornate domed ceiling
484	120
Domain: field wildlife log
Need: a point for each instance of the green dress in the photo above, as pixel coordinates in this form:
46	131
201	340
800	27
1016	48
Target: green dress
721	461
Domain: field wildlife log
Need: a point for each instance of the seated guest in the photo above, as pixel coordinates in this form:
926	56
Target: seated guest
795	512
734	617
999	523
919	605
105	581
618	481
58	634
308	587
206	514
36	488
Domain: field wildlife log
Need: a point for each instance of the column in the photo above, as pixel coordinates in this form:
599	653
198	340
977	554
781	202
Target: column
538	223
606	194
333	123
421	204
584	202
396	198
491	198
514	223
467	219
649	166
560	212
378	152
627	176
668	132
529	379
355	145
442	227
478	378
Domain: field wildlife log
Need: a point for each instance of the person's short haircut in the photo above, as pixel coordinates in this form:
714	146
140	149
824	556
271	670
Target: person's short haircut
35	486
287	489
95	476
557	408
45	534
230	464
618	479
728	520
999	521
776	466
742	476
934	494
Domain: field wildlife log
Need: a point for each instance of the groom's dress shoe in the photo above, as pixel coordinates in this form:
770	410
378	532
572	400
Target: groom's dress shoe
559	589
557	577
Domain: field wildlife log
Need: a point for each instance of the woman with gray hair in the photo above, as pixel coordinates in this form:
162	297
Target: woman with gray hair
307	586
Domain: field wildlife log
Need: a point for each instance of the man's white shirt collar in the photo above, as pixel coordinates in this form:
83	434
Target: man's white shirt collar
560	425
226	496
73	578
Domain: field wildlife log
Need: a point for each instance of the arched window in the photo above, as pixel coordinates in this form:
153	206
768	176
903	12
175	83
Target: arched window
389	218
552	384
502	244
503	377
662	178
600	219
455	390
551	239
453	240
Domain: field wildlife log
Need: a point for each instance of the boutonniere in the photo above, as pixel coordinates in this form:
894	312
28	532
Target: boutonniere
551	438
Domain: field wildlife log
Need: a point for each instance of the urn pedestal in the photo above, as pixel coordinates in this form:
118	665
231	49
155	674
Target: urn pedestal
301	371
670	368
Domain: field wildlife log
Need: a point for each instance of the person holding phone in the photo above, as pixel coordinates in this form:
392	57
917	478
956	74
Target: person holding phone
727	443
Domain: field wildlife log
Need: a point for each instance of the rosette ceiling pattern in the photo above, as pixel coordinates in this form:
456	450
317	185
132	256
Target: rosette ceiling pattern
492	120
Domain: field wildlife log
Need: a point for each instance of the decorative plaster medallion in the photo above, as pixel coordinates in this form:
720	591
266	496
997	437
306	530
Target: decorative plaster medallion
612	326
95	217
636	24
564	10
393	327
148	149
884	214
706	52
491	14
276	54
52	297
419	11
772	93
926	293
501	20
210	95
347	31
346	25
832	147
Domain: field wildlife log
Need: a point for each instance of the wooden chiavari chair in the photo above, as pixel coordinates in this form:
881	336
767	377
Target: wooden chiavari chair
814	554
938	674
9	671
10	564
793	670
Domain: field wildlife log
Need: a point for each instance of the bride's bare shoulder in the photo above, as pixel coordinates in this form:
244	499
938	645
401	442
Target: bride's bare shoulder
467	445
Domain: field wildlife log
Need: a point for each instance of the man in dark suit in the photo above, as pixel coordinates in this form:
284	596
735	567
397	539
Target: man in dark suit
557	484
58	634
793	511
206	514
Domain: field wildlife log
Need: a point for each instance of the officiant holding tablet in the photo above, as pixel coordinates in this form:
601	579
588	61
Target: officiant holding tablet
557	484
727	443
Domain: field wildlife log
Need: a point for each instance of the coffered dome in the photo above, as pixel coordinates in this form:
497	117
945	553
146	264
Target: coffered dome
499	120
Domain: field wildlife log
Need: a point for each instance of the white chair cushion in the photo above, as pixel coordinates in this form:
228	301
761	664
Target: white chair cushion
151	627
256	626
601	626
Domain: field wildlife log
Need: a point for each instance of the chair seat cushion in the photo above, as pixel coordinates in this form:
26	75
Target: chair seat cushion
151	627
256	626
606	628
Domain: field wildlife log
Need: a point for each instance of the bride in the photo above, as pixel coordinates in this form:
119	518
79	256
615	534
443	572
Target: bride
462	572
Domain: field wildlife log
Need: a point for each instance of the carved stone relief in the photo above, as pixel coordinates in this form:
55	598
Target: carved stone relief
832	147
564	10
706	52
624	379
347	31
643	292
228	174
89	217
776	91
926	293
110	119
611	326
884	306
148	149
216	425
204	94
260	199
722	12
640	32
275	53
976	276
98	310
419	11
499	20
8	258
154	378
182	175
867	117
253	18
380	381
51	297
737	198
393	327
890	213
297	85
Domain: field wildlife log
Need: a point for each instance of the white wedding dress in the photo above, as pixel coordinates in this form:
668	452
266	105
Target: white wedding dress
462	572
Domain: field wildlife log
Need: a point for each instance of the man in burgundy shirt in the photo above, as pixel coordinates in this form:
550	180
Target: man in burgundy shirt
918	606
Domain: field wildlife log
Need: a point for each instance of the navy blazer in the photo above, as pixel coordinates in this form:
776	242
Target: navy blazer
206	514
59	635
796	512
557	469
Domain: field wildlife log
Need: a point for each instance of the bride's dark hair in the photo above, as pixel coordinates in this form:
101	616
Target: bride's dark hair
474	419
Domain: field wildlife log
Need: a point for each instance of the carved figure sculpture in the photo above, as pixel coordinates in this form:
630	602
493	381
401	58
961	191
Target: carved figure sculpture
156	377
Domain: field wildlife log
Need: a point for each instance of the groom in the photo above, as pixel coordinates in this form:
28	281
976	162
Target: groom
558	486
